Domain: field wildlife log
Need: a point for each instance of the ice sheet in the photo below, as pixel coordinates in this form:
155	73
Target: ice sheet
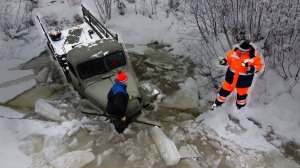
167	148
75	159
45	109
14	82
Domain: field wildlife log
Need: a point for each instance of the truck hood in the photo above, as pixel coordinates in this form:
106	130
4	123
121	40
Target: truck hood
97	92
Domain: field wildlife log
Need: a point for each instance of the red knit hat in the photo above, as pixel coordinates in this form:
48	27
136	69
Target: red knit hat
121	77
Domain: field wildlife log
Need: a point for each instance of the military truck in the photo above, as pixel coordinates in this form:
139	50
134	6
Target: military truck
90	57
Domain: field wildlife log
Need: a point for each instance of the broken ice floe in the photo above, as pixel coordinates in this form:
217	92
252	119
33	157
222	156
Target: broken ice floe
45	109
42	76
71	127
75	159
189	151
74	143
185	98
10	113
99	160
108	152
14	83
166	147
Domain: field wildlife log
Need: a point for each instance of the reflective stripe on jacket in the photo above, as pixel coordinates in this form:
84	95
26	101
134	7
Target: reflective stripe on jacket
237	74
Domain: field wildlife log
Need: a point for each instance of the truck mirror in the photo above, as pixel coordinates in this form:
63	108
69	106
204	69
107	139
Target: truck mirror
117	37
148	93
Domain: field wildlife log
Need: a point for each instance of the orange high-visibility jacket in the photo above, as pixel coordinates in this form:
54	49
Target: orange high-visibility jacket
237	74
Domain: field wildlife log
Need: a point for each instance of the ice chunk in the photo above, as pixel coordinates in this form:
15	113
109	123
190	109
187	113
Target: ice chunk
13	88
14	82
74	143
129	132
166	147
8	112
71	127
132	158
75	159
32	144
54	147
92	128
140	50
74	130
108	152
186	98
189	163
87	145
43	75
47	110
189	151
99	160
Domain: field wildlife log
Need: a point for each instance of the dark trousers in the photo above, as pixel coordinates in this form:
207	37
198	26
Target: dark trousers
120	126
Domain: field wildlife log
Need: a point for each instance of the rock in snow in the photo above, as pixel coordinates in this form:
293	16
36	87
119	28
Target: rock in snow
47	110
75	159
166	147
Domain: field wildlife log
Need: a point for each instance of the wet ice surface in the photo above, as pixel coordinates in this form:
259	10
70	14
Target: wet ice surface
94	143
14	81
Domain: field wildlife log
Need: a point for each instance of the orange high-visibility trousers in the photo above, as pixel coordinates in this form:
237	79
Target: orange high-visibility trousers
226	89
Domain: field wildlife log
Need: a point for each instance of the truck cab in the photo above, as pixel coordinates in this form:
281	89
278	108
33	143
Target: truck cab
93	76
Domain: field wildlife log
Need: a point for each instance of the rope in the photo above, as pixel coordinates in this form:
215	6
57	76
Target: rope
115	117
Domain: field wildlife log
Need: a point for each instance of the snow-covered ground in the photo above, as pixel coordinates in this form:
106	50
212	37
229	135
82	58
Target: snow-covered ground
246	138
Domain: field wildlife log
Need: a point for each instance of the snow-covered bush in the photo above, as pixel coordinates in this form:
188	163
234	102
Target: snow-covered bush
282	44
199	25
74	2
220	24
236	19
174	4
121	7
146	7
104	9
16	17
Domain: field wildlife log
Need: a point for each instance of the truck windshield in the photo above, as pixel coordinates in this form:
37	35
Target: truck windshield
101	65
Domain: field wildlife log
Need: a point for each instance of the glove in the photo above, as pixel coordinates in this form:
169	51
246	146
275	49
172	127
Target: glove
223	61
250	69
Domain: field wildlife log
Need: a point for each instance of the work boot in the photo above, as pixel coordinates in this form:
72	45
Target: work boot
238	106
213	106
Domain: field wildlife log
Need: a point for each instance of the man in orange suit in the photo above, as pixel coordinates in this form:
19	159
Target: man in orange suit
243	62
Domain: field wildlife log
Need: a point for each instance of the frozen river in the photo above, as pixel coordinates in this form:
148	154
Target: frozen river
93	141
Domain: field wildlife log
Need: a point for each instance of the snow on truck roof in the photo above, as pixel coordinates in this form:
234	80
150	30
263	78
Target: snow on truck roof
73	37
100	48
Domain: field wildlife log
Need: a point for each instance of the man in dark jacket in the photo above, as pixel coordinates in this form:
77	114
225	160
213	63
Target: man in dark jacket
117	102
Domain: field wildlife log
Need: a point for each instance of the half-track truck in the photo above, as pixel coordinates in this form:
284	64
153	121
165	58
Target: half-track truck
90	57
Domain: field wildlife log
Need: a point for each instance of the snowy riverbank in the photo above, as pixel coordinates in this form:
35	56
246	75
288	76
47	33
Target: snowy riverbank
265	130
